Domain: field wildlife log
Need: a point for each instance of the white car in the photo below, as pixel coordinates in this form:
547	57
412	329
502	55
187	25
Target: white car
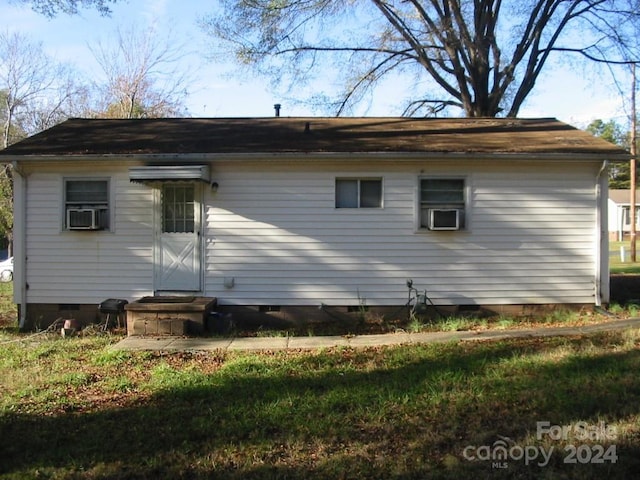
6	270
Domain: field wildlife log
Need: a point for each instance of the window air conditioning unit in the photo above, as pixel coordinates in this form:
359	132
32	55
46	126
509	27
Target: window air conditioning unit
444	219
83	219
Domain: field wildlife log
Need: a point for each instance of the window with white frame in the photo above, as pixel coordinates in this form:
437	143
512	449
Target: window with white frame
442	203
178	208
627	215
86	204
358	193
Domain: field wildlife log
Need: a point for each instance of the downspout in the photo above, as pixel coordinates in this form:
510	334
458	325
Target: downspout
602	238
20	242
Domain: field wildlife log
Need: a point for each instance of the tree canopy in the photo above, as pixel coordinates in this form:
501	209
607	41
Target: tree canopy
141	73
619	174
609	131
35	89
51	8
481	56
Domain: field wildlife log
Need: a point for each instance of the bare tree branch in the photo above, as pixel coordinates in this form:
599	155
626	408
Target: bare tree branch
142	78
27	76
585	53
51	8
483	55
433	107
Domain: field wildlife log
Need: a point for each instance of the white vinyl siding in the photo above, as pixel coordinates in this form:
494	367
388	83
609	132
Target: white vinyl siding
83	267
531	238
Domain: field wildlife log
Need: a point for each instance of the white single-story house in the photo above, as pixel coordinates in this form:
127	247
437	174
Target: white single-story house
298	216
619	208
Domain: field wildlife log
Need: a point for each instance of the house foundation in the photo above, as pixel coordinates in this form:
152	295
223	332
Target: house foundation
203	315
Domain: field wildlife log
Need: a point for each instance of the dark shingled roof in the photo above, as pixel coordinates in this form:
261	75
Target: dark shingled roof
310	135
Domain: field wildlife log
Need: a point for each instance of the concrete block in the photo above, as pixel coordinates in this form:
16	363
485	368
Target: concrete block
136	328
150	327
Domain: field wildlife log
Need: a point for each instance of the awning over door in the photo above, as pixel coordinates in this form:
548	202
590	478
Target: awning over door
169	173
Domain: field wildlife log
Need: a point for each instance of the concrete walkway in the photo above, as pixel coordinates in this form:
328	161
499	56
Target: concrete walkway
300	343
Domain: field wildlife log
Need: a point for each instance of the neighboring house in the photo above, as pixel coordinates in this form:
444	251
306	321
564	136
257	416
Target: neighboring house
294	217
619	208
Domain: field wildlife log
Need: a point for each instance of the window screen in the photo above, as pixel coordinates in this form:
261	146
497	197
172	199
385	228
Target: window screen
358	193
442	203
86	201
178	203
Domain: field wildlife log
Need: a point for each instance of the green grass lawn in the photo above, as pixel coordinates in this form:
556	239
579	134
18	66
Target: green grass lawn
616	263
74	408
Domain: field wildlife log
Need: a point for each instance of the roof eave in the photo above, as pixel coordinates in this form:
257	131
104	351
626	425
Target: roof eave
314	156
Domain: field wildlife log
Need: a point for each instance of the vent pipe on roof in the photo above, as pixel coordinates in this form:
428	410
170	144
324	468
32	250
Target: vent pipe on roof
277	107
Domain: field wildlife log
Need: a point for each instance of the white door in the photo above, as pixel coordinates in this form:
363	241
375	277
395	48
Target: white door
177	256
